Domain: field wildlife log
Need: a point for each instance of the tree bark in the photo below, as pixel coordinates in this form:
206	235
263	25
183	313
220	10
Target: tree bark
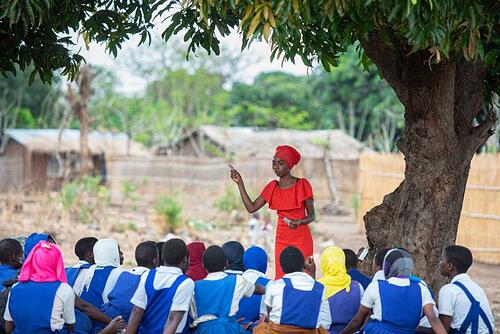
441	102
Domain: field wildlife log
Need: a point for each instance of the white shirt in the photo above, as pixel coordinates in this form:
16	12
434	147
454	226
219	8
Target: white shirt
252	275
243	288
164	278
235	272
371	297
139	270
78	287
379	275
300	281
453	302
63	308
80	278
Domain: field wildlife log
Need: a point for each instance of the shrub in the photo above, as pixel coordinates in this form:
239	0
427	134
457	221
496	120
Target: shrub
68	195
170	210
229	201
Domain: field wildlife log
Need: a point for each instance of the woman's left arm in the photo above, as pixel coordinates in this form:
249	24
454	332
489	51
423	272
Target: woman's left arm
310	214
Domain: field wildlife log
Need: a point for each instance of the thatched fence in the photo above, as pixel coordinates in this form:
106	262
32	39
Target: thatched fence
479	226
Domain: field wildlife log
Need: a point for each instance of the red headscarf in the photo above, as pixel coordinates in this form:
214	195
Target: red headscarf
44	264
196	271
288	154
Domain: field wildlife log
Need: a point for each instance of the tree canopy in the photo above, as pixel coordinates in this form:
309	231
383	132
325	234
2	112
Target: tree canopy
40	31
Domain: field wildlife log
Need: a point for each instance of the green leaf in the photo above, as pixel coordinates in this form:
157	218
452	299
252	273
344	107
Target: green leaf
491	56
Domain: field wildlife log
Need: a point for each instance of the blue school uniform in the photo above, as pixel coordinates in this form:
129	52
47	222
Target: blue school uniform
72	273
214	297
30	306
344	306
401	309
475	312
249	307
294	313
6	273
158	306
93	294
356	275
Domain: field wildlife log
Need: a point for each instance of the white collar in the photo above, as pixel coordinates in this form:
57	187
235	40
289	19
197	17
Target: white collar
139	270
80	263
236	272
460	277
169	270
379	275
256	272
216	275
299	274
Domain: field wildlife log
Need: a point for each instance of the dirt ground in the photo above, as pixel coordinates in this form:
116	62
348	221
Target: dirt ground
132	225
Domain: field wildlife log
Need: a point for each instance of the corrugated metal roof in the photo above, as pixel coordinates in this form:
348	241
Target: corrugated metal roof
46	140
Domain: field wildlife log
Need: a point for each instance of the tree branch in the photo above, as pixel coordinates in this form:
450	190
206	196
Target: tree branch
485	130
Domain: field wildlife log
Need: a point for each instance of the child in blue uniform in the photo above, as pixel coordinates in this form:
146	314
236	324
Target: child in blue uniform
35	238
84	250
351	263
397	303
296	302
162	299
252	309
101	277
146	255
463	305
234	252
11	256
217	297
42	302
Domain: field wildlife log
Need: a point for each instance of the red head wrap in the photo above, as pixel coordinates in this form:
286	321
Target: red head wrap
288	154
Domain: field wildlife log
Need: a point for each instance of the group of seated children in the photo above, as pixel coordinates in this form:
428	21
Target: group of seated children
179	288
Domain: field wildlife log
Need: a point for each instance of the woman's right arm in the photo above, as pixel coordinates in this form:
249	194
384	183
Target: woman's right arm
250	205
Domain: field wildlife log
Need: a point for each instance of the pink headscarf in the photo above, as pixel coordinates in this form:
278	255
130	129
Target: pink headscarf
288	154
44	264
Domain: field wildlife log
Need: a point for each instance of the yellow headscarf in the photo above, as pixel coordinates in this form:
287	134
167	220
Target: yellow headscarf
335	274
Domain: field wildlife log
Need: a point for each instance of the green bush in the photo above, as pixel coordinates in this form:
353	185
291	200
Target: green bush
69	192
356	203
170	210
229	201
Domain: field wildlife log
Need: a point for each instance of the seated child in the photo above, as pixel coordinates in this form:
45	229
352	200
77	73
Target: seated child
463	305
11	256
234	251
85	253
378	262
343	293
351	263
395	305
217	297
296	302
253	308
42	301
196	271
159	245
101	277
162	299
146	255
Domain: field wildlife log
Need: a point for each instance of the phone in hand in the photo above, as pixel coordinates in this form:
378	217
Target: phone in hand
362	253
287	220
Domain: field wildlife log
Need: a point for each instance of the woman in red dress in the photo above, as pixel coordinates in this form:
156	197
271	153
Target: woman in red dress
293	200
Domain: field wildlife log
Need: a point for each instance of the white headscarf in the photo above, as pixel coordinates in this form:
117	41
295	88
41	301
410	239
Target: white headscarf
106	254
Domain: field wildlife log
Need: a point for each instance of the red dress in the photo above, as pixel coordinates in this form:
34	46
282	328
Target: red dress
289	203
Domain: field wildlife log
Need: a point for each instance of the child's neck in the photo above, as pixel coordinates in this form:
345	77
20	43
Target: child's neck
454	273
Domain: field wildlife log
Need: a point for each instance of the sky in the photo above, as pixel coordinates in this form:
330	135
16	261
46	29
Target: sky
131	84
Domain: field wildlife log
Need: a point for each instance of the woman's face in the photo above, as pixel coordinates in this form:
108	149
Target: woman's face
280	167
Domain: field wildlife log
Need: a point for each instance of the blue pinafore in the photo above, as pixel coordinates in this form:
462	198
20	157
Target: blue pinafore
472	318
401	309
294	313
215	298
30	306
344	306
72	273
159	304
93	294
249	307
6	273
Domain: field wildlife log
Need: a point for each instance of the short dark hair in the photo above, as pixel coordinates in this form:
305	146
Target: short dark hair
174	251
159	246
380	255
214	259
291	260
9	248
460	256
351	260
83	246
145	253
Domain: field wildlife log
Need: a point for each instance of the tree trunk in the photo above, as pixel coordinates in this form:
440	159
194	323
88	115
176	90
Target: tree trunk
441	102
